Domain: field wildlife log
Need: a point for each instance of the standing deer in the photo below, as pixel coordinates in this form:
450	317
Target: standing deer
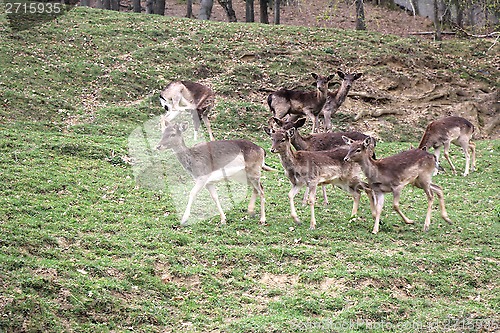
456	130
336	98
214	161
312	168
194	97
317	141
392	174
296	104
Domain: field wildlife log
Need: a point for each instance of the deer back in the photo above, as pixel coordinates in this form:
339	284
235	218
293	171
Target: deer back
445	130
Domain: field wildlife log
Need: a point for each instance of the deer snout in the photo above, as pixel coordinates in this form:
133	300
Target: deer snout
347	158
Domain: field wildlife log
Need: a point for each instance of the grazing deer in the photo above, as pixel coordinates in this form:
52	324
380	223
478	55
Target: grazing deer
194	97
317	141
312	168
214	161
392	174
442	132
295	103
336	98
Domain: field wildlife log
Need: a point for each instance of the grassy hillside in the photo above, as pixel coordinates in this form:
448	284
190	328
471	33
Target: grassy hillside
90	237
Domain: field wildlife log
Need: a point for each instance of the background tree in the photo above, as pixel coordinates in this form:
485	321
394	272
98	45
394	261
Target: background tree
264	17
205	9
228	8
249	11
136	5
189	9
360	15
159	7
277	11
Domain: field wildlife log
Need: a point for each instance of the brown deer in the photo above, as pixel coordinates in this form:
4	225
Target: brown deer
456	130
194	97
312	168
296	103
336	98
317	141
393	173
214	161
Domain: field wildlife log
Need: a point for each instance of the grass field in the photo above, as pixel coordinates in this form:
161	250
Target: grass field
90	238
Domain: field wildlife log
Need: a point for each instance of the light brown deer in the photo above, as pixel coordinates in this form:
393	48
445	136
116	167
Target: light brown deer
393	173
317	141
312	168
297	104
196	98
336	98
456	130
214	161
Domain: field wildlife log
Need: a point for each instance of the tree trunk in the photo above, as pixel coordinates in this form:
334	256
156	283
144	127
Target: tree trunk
85	3
360	15
264	18
137	6
276	11
106	4
189	9
249	11
437	21
228	8
205	9
115	5
149	7
160	7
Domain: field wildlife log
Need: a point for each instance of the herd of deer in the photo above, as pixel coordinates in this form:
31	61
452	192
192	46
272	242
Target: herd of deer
343	159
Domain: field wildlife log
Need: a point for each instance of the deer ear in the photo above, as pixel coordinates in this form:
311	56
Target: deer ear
357	76
278	121
291	132
299	123
268	130
183	126
314	75
340	73
367	142
163	102
330	77
348	141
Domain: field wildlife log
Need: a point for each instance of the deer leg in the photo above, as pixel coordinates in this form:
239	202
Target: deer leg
312	201
325	197
439	191
395	204
291	195
192	195
446	153
356	196
213	193
371	198
206	121
472	147
262	204
328	120
430	200
378	210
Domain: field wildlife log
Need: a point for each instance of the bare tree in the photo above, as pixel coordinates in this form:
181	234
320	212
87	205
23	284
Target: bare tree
276	11
437	21
206	9
360	15
189	9
137	6
264	17
228	7
160	7
249	11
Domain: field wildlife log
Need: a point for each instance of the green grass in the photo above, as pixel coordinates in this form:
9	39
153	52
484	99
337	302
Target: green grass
87	245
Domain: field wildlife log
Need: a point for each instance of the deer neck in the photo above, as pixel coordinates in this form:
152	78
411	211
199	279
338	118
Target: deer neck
299	142
369	167
184	155
342	93
288	158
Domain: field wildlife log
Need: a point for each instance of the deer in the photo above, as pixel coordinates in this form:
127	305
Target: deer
317	141
196	98
336	98
391	174
212	162
312	168
296	103
457	130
